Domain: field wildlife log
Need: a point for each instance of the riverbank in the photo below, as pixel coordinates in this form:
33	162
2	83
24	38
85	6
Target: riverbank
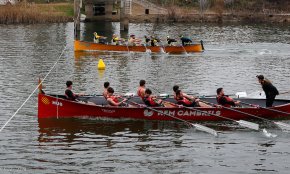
30	13
213	17
218	11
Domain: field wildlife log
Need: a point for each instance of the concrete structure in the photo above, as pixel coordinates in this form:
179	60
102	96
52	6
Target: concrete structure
96	10
116	10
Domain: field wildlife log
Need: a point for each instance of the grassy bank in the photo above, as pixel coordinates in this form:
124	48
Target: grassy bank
237	5
36	13
270	11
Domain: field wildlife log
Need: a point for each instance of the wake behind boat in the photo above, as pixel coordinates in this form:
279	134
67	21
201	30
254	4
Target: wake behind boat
56	106
90	46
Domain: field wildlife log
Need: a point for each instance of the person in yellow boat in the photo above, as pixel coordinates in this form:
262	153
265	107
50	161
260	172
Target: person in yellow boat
147	40
133	41
116	40
170	41
154	41
99	39
185	40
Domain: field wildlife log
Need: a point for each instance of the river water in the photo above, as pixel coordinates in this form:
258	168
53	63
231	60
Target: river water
234	55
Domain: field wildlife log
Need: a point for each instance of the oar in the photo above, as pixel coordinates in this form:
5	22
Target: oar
197	126
184	50
163	48
245	113
128	48
214	95
286	92
148	51
242	123
281	125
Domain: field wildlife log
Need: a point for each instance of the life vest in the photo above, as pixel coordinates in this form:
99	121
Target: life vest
228	100
183	101
115	39
96	36
149	101
114	98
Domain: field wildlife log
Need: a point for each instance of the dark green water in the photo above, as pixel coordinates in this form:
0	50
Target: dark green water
234	55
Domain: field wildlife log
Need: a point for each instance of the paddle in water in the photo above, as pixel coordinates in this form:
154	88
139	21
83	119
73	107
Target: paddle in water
281	125
242	123
265	132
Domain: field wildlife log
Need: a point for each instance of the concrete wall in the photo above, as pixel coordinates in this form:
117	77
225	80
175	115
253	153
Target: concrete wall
137	11
89	10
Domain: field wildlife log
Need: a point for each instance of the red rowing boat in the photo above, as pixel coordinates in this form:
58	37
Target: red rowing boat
89	46
56	106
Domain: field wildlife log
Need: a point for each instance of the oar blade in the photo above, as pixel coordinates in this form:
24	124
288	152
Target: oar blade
283	126
248	124
205	129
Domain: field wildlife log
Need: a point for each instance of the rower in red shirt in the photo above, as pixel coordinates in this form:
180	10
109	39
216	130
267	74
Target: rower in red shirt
112	99
150	100
225	100
182	100
197	102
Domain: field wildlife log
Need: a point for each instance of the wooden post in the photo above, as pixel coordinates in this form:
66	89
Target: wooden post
77	19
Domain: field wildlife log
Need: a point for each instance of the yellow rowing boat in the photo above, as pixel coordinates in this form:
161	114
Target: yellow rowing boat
90	46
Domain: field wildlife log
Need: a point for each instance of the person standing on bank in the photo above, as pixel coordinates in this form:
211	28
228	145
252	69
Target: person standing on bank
269	89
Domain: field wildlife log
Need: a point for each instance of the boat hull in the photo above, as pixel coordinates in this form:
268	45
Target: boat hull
52	107
89	46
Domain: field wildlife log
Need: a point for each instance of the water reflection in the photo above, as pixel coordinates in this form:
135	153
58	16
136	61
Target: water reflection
67	130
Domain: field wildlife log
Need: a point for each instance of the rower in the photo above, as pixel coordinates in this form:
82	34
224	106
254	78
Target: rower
150	100
170	41
185	40
105	92
113	100
184	101
225	100
154	41
133	41
99	39
116	40
69	94
188	97
141	89
147	40
73	96
269	89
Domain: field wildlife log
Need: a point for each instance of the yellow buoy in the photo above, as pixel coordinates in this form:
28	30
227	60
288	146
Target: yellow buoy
101	65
